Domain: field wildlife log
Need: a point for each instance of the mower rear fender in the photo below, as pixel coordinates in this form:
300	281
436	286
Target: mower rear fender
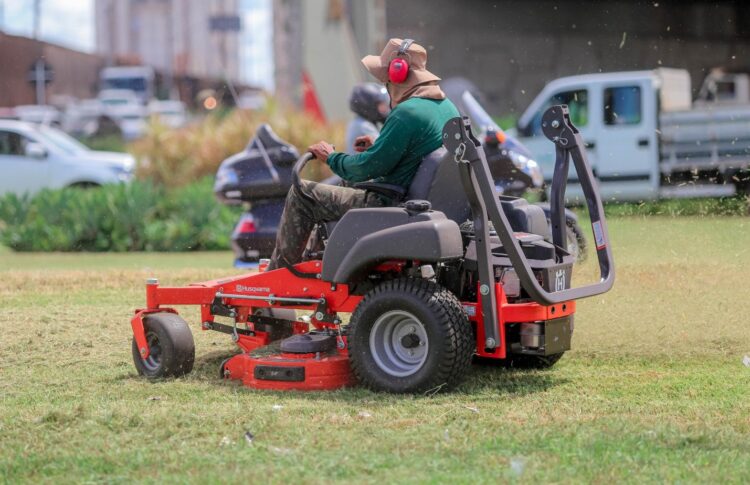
364	238
428	241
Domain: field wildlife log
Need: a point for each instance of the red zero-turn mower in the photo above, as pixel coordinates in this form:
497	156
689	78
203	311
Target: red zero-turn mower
457	271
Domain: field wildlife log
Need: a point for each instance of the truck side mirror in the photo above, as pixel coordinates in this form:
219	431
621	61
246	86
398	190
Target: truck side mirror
35	150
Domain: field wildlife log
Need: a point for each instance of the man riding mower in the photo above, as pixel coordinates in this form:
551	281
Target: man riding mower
260	176
454	271
426	292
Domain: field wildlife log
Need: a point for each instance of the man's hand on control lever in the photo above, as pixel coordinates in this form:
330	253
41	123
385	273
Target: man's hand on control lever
321	150
362	143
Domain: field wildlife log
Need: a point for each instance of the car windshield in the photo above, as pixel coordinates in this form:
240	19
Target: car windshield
64	142
137	84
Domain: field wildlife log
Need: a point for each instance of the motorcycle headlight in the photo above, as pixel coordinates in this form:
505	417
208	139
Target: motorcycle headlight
529	167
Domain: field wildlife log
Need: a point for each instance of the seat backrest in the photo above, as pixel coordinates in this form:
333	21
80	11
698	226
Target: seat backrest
438	180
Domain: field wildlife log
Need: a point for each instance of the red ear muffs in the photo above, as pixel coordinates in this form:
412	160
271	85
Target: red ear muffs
398	70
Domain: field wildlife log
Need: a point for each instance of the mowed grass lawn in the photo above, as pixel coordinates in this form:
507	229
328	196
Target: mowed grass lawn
654	390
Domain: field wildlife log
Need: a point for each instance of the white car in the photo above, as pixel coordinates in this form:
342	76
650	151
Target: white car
81	118
171	113
124	106
37	113
117	97
34	157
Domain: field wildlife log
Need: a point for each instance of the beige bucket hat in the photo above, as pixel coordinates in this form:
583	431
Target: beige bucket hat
416	55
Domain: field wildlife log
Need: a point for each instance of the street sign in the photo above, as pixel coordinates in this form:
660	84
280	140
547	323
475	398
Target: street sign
225	23
40	71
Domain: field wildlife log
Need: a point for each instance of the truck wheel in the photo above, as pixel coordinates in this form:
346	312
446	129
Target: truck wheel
171	346
533	361
410	335
576	240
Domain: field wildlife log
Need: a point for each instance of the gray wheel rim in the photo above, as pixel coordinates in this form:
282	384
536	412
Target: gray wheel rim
398	343
153	362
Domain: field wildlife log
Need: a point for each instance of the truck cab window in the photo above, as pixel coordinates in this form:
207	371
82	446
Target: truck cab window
578	105
622	105
11	143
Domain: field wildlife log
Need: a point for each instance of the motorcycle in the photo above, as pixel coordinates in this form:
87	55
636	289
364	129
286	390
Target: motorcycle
260	176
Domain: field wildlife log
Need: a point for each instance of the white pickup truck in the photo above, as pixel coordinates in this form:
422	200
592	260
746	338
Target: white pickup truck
644	137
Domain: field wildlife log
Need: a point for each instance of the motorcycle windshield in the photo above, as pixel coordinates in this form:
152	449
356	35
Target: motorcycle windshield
484	123
479	117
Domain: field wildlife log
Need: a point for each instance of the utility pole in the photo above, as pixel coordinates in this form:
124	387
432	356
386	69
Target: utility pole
40	84
287	48
37	17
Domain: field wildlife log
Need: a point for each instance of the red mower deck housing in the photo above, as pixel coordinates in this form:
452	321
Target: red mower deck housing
251	292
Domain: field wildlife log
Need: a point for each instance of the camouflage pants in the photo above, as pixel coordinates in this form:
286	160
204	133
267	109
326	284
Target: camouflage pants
313	203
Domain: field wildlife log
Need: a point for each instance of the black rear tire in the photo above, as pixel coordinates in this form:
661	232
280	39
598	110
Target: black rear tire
408	336
171	345
576	240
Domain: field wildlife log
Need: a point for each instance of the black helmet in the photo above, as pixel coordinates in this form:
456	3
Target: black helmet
365	99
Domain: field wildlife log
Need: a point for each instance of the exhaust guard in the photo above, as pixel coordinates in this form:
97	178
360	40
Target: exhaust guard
485	205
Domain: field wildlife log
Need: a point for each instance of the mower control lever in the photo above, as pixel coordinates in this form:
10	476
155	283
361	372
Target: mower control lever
298	166
484	200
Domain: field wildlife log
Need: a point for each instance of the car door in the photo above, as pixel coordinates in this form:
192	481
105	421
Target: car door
20	173
627	141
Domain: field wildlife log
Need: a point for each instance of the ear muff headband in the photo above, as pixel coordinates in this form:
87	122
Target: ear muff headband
405	44
398	69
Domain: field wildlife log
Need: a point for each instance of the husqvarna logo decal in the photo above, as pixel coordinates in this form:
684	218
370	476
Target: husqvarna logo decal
252	289
560	280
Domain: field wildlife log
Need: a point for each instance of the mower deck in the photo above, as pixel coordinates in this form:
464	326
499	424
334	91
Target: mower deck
262	365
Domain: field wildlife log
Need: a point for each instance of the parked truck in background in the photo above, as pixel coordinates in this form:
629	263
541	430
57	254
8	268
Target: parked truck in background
644	137
139	79
724	88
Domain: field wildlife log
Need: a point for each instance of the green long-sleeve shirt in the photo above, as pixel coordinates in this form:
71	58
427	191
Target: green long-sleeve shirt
412	130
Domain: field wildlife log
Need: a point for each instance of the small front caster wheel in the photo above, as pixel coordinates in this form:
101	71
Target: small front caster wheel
171	347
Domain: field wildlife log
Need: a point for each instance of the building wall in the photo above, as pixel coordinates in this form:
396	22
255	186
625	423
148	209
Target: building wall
512	48
326	39
75	73
171	35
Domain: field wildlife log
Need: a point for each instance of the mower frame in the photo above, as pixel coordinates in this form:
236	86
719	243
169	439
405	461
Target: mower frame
301	287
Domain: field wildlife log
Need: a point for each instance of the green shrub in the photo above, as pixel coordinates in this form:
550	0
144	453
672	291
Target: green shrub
133	217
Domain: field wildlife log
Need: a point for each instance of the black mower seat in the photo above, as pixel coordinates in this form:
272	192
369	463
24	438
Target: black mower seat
438	181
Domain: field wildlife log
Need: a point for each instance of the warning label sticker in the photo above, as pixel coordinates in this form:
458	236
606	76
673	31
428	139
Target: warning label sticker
598	235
